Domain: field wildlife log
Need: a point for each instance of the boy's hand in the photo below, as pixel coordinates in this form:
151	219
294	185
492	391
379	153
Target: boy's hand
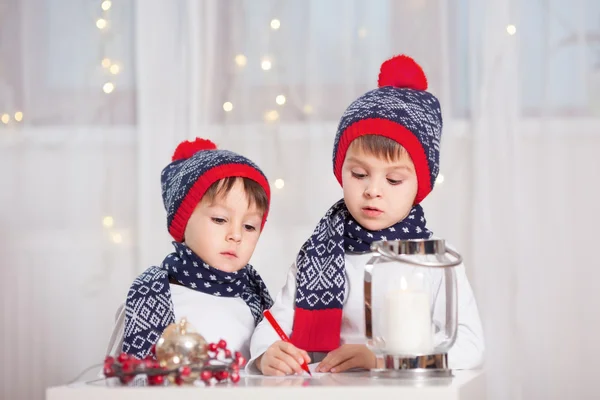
346	357
282	358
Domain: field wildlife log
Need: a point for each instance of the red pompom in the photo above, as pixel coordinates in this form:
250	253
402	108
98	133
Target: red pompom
402	72
187	149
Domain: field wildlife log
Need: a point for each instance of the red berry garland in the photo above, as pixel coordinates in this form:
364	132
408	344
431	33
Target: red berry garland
219	367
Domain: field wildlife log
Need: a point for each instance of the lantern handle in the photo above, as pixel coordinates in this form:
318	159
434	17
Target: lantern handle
415	261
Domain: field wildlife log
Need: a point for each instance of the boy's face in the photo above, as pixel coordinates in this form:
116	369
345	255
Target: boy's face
378	193
224	233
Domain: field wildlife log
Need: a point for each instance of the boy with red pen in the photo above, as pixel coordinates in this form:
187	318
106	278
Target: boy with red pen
386	157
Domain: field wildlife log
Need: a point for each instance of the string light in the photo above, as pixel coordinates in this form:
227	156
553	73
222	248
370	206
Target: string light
511	29
227	106
271	116
117	238
440	179
266	64
241	60
280	99
279	183
101	23
5	118
108	221
108	87
275	24
18	116
108	64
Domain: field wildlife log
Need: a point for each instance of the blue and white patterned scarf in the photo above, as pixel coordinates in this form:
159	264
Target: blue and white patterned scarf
321	276
149	307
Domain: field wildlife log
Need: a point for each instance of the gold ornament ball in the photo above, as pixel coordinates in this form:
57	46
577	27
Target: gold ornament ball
181	345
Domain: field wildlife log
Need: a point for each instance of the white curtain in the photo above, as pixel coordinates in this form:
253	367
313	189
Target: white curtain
67	198
82	214
534	133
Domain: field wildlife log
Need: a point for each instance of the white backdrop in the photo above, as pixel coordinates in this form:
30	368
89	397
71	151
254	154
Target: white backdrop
80	198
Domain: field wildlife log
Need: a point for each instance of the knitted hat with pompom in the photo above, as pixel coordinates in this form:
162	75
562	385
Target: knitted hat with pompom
400	109
195	166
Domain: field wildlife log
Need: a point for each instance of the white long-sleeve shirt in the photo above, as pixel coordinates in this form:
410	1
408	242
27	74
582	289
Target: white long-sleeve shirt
215	318
466	353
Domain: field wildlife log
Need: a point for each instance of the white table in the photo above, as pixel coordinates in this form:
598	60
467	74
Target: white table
465	385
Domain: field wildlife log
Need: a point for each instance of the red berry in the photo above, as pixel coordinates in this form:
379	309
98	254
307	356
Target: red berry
126	379
212	347
135	362
185	371
235	377
128	366
237	354
123	357
228	353
206	375
179	380
221	375
222	344
153	349
235	367
108	371
241	361
109	360
156	380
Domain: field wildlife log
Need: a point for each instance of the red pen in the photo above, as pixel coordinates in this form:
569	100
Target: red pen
282	335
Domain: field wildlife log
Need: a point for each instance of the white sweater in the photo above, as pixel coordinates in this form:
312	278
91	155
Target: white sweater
467	352
215	318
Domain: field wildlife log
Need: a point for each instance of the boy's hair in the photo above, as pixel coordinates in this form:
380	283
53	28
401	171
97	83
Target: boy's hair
380	147
254	192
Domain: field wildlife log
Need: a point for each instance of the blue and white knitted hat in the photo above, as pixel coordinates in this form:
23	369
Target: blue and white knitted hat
194	168
400	109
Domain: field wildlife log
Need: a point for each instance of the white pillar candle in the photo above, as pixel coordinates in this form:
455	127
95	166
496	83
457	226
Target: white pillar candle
407	324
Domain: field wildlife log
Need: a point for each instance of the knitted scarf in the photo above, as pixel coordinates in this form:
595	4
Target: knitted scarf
149	307
321	276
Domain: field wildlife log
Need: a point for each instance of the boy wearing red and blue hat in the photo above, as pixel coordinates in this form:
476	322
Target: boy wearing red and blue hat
386	157
217	203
